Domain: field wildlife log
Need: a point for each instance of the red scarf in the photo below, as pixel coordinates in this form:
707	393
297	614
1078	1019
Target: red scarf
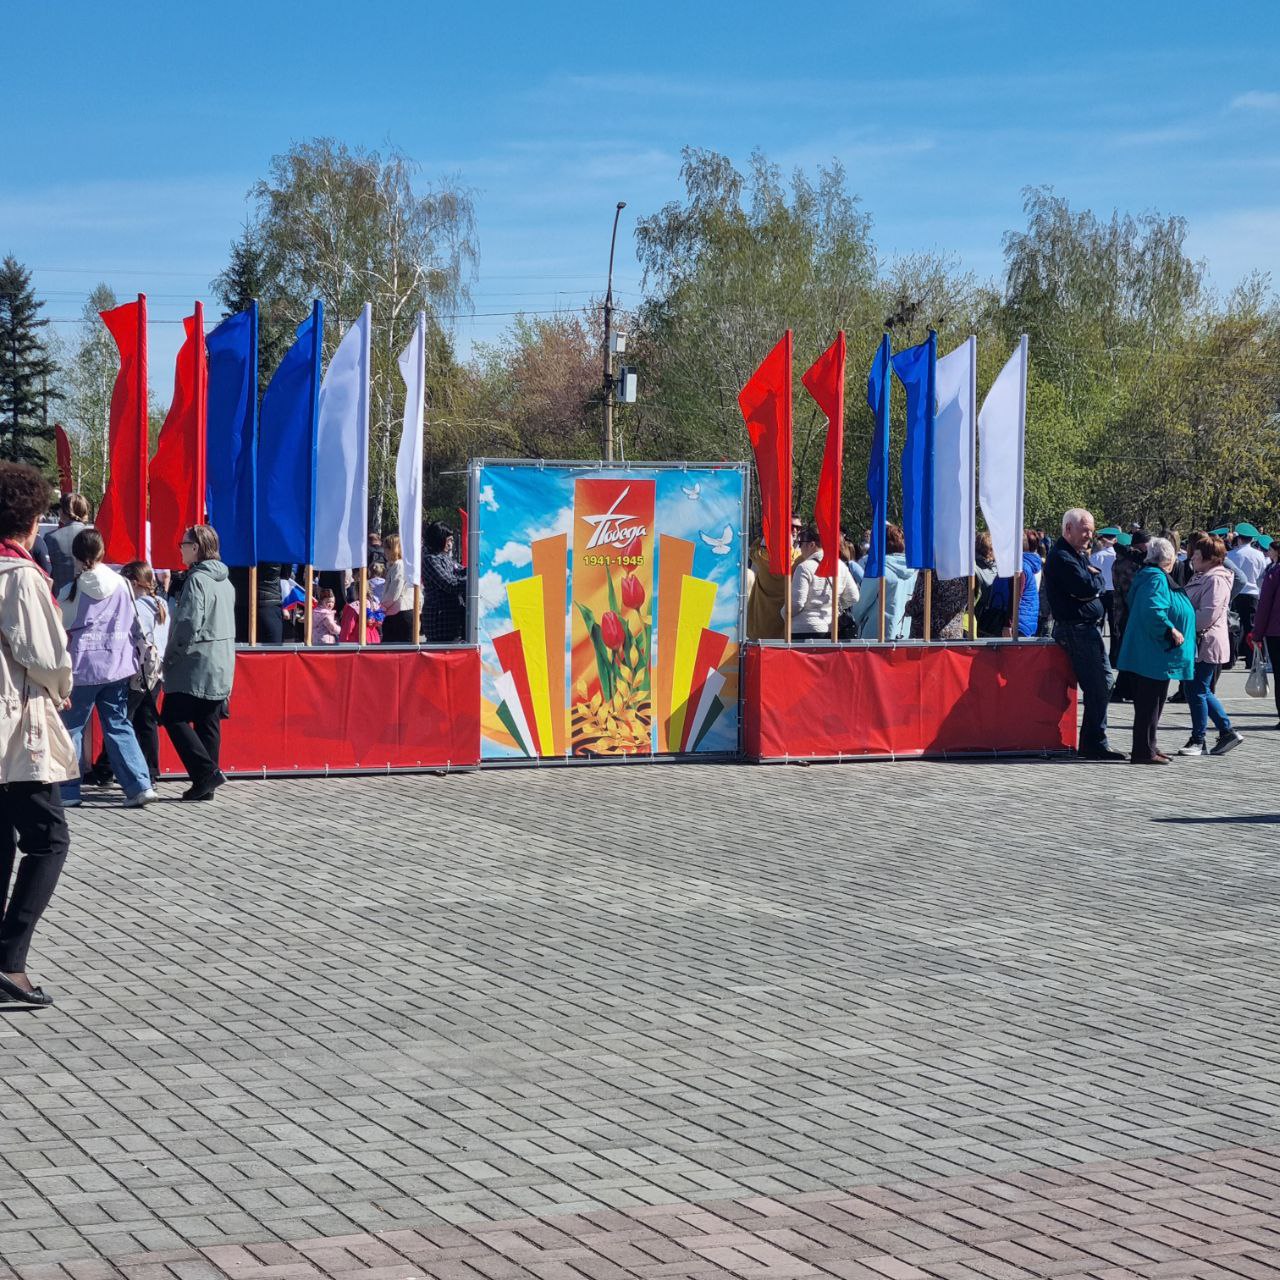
12	551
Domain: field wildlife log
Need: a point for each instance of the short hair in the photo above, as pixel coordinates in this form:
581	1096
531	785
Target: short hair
24	498
75	506
1211	548
894	542
88	547
983	545
1159	550
1140	538
1030	540
810	534
436	535
206	539
1074	516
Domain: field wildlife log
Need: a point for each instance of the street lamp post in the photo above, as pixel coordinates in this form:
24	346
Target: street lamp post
608	341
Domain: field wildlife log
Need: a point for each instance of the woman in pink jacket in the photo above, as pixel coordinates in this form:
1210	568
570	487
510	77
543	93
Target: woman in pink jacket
1210	593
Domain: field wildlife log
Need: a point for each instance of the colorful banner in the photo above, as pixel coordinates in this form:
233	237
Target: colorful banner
607	607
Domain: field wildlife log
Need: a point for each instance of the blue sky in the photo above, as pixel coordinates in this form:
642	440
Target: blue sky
143	125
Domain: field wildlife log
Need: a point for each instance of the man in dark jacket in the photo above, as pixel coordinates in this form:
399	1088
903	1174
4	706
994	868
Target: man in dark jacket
1074	587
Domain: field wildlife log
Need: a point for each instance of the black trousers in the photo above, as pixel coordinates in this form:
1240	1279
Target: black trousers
31	820
1148	706
1246	607
1273	651
194	726
397	628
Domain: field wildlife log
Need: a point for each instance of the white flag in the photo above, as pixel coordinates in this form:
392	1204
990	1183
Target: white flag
413	369
342	452
953	462
1002	429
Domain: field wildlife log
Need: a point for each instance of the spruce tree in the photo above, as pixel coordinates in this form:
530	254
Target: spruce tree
26	369
248	277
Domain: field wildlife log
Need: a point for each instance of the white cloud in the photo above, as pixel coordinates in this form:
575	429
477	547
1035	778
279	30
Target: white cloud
562	522
493	592
513	553
487	499
1256	100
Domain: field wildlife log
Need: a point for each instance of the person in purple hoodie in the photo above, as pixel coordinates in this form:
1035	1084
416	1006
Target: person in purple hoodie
105	639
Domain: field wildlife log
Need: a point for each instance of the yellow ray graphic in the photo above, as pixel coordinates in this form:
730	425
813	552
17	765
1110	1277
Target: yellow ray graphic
549	559
697	599
527	617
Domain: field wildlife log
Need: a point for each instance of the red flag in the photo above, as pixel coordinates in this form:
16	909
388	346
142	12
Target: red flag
63	443
178	469
462	541
825	383
766	405
122	515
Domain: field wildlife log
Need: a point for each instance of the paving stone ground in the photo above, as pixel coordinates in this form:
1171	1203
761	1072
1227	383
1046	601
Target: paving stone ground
993	1019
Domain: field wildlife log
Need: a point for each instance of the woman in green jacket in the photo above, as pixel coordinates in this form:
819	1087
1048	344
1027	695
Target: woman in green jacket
1159	645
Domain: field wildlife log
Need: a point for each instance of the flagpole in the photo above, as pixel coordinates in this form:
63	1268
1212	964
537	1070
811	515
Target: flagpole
417	614
973	483
1022	462
787	602
310	575
882	609
144	430
835	602
363	632
253	604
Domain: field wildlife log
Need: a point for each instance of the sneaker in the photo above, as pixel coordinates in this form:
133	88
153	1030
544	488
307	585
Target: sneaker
149	796
1193	748
1226	742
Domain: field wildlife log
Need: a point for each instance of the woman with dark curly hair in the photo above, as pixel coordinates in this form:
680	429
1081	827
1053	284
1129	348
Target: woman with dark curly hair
36	754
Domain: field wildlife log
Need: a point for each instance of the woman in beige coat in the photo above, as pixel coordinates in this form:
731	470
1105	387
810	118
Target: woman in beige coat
35	750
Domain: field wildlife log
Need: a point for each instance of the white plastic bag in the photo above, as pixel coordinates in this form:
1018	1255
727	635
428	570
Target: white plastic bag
1256	685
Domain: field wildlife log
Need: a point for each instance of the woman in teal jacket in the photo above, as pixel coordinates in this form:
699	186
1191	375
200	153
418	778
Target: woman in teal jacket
1159	645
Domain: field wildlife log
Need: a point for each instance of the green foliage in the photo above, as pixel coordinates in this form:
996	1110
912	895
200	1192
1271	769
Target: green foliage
349	226
27	371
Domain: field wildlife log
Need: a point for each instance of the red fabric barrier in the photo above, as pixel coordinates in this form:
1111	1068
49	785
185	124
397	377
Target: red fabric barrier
814	702
312	711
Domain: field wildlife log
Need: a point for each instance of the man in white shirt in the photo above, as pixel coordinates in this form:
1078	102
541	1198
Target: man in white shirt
1252	563
1104	559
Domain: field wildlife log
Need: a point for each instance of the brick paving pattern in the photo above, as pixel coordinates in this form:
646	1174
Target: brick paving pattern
916	1020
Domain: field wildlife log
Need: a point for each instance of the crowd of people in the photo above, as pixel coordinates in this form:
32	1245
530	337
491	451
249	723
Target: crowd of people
148	651
1135	613
856	600
77	636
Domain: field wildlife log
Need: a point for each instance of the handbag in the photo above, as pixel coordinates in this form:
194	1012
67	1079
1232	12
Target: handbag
1256	685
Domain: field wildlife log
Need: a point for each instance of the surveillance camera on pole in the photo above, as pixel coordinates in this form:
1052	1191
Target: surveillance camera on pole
628	384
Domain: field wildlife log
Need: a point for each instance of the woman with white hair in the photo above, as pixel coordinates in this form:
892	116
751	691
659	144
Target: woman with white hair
1159	645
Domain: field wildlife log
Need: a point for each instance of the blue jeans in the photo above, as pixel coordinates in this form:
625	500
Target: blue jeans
127	762
1083	644
1203	702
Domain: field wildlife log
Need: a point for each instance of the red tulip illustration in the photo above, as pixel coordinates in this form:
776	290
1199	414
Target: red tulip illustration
632	591
612	632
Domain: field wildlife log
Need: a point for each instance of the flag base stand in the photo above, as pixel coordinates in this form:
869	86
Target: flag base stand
865	701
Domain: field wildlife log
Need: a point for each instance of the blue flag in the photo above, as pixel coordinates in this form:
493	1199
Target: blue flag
916	368
879	391
287	450
231	445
